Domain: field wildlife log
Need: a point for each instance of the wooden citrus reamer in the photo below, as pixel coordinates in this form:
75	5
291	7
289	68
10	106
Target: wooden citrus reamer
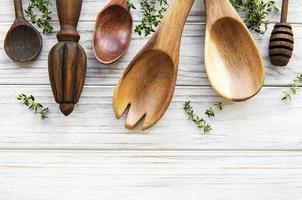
282	40
147	86
67	59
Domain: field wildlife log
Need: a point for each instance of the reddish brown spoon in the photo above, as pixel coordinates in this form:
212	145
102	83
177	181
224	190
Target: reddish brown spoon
113	30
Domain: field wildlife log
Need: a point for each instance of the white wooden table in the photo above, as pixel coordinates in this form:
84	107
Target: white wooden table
253	152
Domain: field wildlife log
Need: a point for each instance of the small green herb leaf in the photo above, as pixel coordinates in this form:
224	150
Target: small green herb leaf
43	18
211	112
32	105
130	5
200	122
153	12
256	12
293	89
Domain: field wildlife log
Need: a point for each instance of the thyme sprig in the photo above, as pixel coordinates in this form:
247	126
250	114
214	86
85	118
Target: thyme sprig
211	112
293	89
200	122
256	12
153	12
32	105
38	12
130	5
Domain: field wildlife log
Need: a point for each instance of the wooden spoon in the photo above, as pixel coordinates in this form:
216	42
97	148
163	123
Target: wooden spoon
23	42
282	40
233	62
112	33
67	59
148	84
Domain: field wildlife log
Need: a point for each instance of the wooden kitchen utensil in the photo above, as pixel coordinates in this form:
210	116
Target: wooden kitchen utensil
233	62
113	30
23	42
67	59
282	40
148	84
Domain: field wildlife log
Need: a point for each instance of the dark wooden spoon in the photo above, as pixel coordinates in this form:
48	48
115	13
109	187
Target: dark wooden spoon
113	30
23	42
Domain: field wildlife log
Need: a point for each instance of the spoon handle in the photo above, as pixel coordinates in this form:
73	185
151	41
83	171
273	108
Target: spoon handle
69	13
122	3
169	33
284	11
18	9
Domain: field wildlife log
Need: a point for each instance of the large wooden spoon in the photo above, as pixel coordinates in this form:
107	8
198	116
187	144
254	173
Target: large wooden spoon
148	84
233	62
113	30
23	42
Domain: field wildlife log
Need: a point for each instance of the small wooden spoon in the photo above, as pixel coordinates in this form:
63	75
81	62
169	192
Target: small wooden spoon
233	62
23	42
148	84
112	33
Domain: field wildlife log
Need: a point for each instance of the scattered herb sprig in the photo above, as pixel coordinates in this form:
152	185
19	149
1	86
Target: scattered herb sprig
293	89
211	112
32	105
256	12
38	12
153	12
130	5
200	122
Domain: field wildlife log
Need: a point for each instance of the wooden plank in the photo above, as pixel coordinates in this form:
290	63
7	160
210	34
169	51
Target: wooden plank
150	175
264	122
191	70
92	7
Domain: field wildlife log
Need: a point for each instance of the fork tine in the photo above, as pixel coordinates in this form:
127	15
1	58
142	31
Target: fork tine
120	107
149	121
134	117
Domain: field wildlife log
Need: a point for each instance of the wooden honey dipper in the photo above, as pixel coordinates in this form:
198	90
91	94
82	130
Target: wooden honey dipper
282	40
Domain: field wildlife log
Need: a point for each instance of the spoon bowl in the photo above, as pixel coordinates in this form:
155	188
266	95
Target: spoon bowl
23	42
145	88
113	30
234	64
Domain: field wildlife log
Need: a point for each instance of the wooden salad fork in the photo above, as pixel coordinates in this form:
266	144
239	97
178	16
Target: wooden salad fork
147	86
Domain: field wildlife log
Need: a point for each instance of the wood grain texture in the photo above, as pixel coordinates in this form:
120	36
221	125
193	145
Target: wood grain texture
92	7
254	151
191	66
150	175
263	123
